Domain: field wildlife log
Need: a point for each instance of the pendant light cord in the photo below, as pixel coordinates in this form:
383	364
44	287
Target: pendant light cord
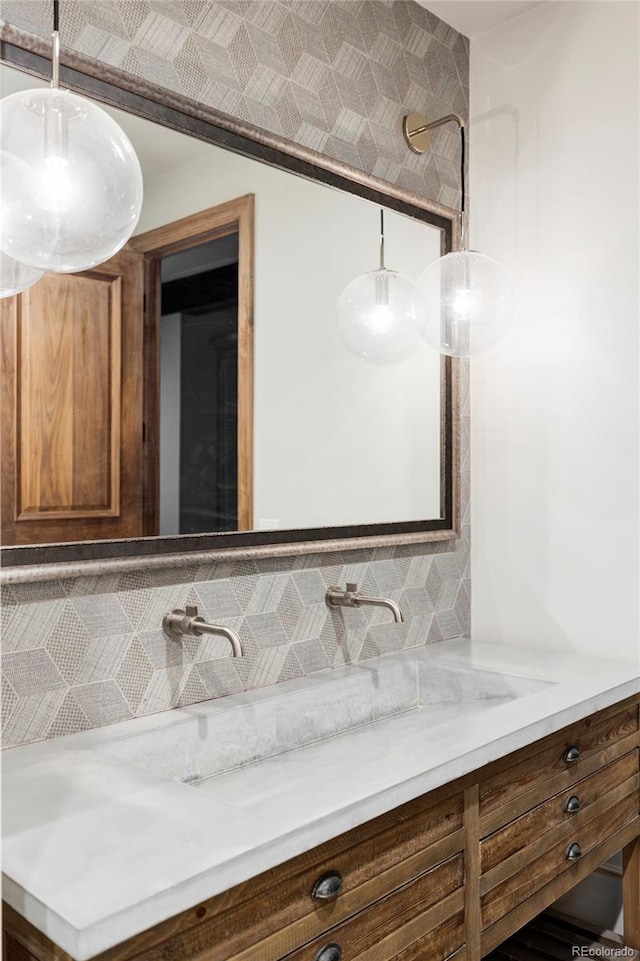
462	177
463	191
414	126
55	53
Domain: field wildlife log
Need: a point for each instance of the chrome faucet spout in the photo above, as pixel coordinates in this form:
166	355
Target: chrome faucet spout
351	597
177	623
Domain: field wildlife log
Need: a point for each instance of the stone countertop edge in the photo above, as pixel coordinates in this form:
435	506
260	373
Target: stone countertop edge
581	686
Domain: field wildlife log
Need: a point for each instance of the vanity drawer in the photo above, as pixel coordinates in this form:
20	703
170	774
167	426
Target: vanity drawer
368	863
573	807
525	778
423	921
515	879
273	914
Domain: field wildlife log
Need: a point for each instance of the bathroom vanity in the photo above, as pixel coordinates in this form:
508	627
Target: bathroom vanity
416	807
440	800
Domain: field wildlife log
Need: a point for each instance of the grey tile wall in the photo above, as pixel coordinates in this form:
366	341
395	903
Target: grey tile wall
334	75
89	651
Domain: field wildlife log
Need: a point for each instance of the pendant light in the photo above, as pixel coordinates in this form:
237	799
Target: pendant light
466	300
14	276
80	195
375	313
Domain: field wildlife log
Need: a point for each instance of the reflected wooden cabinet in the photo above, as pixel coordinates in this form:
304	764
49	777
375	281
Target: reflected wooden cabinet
80	415
71	418
449	875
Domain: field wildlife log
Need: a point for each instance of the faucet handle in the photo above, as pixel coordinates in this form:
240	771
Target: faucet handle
352	588
191	610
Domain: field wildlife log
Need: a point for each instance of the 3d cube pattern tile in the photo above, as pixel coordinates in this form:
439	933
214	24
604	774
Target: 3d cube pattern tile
336	76
77	676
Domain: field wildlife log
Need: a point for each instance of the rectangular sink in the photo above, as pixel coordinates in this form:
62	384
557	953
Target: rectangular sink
242	729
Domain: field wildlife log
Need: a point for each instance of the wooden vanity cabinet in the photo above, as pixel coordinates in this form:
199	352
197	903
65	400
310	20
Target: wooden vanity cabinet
423	919
449	875
551	813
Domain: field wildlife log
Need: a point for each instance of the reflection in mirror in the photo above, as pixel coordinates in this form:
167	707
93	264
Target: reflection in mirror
198	483
198	370
235	406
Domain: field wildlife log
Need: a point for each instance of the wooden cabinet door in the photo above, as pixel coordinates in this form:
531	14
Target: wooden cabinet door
71	418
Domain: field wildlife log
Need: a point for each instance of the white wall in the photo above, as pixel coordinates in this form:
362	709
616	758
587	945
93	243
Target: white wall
336	438
555	419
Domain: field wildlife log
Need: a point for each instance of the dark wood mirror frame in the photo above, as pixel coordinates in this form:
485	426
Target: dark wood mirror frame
103	83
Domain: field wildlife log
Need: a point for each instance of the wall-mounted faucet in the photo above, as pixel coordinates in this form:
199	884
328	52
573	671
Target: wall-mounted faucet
176	623
336	597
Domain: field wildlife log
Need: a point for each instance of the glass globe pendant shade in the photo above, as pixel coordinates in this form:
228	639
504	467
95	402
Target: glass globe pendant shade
80	193
15	277
375	316
467	302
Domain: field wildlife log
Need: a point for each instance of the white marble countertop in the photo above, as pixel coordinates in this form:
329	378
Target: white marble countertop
97	848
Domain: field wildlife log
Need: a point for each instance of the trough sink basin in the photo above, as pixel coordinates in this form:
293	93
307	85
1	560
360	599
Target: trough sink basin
223	735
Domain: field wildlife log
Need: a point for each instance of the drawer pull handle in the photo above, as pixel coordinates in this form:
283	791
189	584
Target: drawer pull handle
574	851
327	888
573	805
572	754
330	952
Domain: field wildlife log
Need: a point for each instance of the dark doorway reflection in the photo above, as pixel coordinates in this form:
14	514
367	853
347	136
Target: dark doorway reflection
199	389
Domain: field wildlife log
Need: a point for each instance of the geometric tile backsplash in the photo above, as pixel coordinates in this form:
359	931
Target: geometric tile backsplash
335	76
89	651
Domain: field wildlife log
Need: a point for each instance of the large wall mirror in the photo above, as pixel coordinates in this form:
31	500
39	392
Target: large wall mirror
193	393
